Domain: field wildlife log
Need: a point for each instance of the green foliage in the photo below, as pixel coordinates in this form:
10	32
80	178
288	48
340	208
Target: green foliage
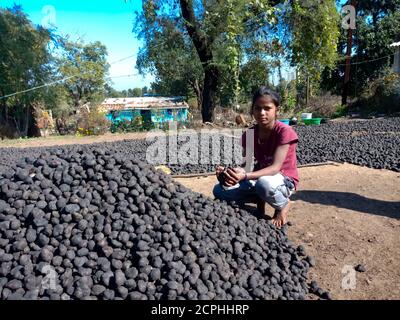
381	95
88	67
325	105
289	102
136	92
377	26
340	111
314	29
288	93
179	60
110	92
31	56
253	74
25	62
170	55
137	124
92	123
58	101
123	126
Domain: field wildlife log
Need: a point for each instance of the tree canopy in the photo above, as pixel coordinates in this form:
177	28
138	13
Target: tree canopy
208	36
202	47
87	65
377	26
66	73
25	62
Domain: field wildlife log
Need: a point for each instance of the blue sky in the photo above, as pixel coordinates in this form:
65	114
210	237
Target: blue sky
108	21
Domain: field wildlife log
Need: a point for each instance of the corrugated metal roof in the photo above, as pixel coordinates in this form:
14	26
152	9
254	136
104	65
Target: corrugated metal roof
144	103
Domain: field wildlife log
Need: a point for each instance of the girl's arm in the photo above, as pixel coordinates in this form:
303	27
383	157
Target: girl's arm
239	174
275	167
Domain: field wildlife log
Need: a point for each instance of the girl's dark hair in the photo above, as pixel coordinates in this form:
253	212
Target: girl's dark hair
264	91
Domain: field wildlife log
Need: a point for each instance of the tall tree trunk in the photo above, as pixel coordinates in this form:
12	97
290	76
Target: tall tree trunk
349	48
3	112
27	118
198	92
308	90
346	83
33	130
203	45
297	90
209	93
3	108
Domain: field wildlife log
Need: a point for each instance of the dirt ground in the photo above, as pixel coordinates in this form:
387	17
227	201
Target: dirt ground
70	139
344	215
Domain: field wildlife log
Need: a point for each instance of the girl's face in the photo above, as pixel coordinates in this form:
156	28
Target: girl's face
265	111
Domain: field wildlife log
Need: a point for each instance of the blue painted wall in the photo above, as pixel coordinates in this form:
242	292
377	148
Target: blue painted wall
157	116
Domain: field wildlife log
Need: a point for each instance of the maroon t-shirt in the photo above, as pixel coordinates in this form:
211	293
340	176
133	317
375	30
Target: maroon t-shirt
264	152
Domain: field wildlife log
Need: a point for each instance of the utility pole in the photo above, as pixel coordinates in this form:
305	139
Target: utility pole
346	83
308	89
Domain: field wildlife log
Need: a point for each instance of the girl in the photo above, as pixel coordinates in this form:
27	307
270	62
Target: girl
275	174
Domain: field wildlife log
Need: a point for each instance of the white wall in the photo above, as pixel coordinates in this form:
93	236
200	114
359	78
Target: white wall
396	64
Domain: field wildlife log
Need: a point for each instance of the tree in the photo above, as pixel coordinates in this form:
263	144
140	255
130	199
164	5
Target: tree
25	62
314	33
207	24
110	92
135	92
253	74
171	57
377	26
87	66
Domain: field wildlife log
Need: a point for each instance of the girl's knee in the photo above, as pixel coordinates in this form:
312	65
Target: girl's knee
264	186
218	191
275	195
227	195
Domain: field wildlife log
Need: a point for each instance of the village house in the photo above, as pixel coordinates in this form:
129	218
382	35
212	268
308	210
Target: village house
155	109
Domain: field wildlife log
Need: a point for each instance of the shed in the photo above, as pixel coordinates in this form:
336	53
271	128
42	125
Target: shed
156	109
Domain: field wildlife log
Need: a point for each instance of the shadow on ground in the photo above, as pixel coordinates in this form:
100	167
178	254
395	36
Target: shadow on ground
351	201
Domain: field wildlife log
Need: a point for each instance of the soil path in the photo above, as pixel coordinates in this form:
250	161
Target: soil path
345	215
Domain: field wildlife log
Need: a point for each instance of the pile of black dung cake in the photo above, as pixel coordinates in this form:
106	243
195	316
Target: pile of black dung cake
92	224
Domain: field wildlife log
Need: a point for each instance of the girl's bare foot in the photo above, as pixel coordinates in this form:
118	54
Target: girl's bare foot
280	217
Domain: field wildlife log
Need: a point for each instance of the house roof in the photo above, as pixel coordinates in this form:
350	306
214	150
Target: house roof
144	103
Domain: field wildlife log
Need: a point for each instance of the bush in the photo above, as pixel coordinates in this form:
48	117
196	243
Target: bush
8	131
287	91
325	105
193	103
127	126
382	95
135	125
92	123
44	120
341	111
66	125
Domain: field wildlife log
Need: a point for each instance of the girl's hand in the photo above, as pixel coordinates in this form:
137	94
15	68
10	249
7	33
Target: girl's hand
218	170
240	170
234	176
